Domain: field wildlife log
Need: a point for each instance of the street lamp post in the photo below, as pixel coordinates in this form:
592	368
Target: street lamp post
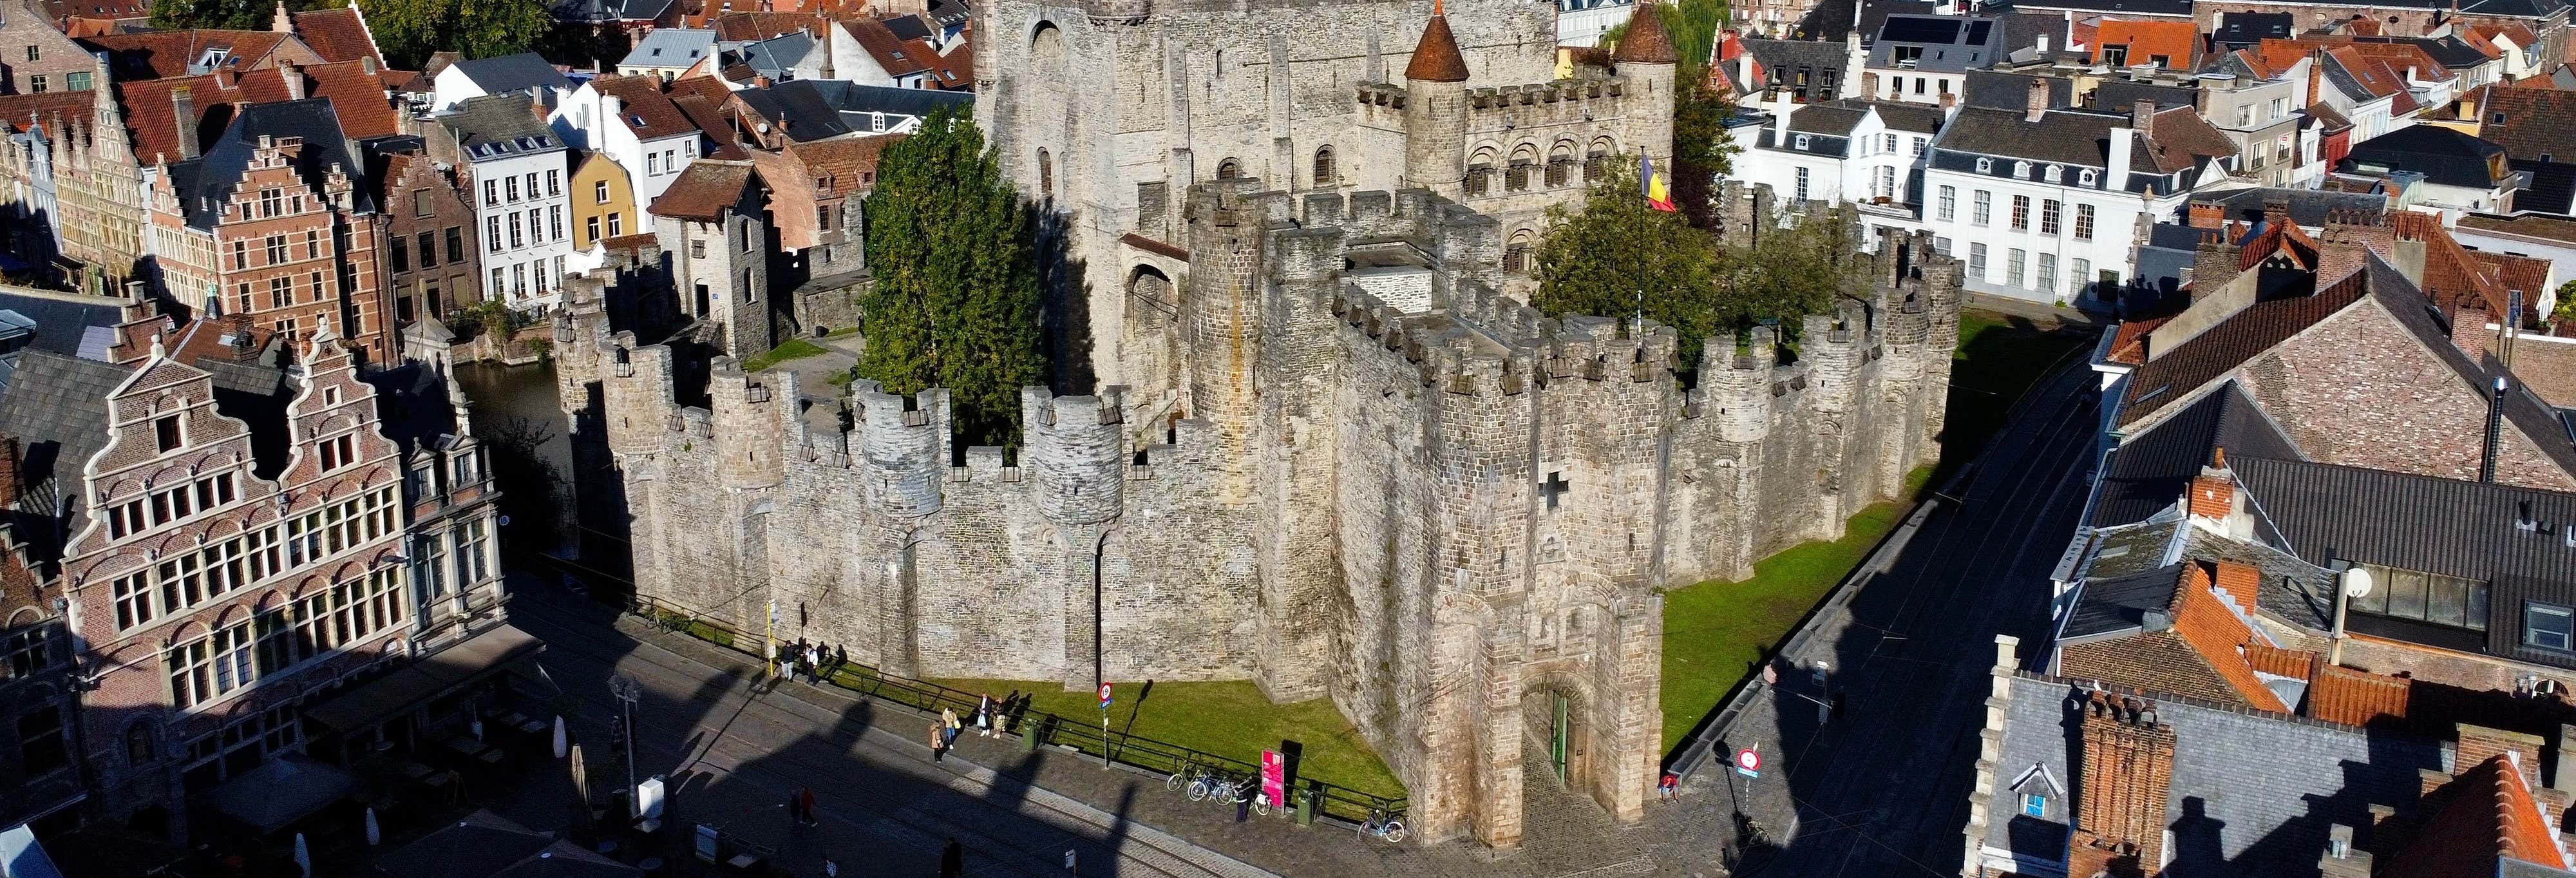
628	692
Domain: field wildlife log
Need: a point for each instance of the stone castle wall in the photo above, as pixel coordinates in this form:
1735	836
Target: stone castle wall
1432	515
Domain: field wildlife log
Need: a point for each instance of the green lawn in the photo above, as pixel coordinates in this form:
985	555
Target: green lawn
1230	719
1716	633
794	348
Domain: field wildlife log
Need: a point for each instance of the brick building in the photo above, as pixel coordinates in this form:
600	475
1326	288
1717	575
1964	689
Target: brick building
39	58
432	255
276	223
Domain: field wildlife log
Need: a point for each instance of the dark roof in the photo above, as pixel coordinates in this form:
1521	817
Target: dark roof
2120	95
504	123
2326	512
2252	28
2149	471
1831	20
1435	55
2077	137
210	179
778	56
1836	118
1780	56
608	10
2130	7
413	407
56	407
2250	794
67	324
2442	155
2449	51
906	27
2103	606
2307	207
506	73
1951	43
813	109
2023	30
487	845
1996	90
2552	188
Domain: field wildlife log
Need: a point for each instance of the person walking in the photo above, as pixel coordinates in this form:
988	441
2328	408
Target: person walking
1002	722
805	806
814	664
938	741
1669	788
948	720
952	859
984	715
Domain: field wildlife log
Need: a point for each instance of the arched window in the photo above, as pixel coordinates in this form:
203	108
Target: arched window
1560	164
1324	172
2054	174
1229	169
1524	161
1985	166
2021	170
1516	255
1046	173
2086	177
1480	172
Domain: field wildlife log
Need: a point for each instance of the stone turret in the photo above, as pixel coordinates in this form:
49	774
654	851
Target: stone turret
1075	452
1645	57
1221	306
1737	388
746	424
903	443
1435	110
635	395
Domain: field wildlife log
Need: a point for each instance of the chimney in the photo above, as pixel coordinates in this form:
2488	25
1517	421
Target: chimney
1869	84
294	77
368	64
2477	744
1949	101
2037	103
2495	430
2341	859
2142	116
183	107
2213	492
2218	262
2042	46
2276	211
2208	215
2125	778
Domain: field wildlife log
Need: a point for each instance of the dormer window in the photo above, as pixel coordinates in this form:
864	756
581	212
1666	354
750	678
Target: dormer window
2034	805
2055	173
2021	170
1985	166
2085	177
1799	141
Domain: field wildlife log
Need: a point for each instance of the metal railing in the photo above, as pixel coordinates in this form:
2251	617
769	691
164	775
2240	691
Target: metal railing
1075	733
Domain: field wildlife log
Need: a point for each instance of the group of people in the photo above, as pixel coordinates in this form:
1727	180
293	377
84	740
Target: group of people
812	661
989	717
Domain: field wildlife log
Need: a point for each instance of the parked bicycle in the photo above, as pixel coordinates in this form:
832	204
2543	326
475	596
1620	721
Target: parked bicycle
1382	825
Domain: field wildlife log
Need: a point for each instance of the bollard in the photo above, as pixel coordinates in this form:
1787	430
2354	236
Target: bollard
1307	800
1029	737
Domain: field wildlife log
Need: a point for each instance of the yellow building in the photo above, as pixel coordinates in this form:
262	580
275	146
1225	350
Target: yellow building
603	203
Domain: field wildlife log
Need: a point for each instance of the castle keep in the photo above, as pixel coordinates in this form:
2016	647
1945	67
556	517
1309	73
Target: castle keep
1394	485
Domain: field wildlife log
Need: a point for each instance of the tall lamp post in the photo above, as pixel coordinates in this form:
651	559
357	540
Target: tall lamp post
628	692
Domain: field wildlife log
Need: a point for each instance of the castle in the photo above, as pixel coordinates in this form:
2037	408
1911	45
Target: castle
1396	486
1107	111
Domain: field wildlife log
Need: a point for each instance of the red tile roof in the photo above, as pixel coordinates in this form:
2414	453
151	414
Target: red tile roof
337	34
152	116
746	26
2356	698
53	109
703	191
166	54
2481	817
887	49
954	71
357	95
2176	40
643	100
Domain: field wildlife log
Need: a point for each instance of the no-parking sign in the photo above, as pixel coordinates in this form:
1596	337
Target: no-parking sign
1748	762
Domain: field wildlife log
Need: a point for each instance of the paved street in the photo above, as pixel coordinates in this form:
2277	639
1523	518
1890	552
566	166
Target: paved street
1882	789
1878	792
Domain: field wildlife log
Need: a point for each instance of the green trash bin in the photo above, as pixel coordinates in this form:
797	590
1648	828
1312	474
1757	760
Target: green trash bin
1309	799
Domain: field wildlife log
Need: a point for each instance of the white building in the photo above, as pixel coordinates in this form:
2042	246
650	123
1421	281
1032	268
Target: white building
630	120
1582	22
1865	153
518	170
2047	205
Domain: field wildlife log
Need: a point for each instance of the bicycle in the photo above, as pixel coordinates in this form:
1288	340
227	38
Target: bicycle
1382	825
1181	779
1209	786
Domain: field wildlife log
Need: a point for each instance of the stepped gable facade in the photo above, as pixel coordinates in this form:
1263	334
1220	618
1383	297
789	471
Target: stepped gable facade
1392	484
1109	110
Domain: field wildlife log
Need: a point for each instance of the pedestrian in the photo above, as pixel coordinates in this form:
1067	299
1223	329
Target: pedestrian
795	817
938	741
952	860
1002	723
948	720
984	715
831	869
1670	787
814	664
805	806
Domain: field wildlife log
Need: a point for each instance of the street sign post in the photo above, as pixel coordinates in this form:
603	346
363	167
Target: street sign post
1104	724
1748	762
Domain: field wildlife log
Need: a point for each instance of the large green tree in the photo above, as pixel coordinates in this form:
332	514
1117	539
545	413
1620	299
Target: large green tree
230	14
1700	148
407	31
956	302
1617	257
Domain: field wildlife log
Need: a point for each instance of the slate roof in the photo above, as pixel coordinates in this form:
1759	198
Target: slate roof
703	191
1837	118
500	121
778	56
2242	29
2149	471
211	178
2135	7
2251	793
2550	189
609	10
2442	155
1998	90
1785	55
66	324
2120	95
2307	207
56	406
671	47
337	35
2022	30
2530	122
814	109
2327	512
2120	603
509	73
2077	137
1830	20
1951	42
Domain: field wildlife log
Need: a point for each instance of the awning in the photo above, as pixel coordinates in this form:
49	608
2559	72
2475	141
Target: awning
284	790
427	677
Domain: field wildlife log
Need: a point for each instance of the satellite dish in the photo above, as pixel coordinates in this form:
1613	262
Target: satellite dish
2356	582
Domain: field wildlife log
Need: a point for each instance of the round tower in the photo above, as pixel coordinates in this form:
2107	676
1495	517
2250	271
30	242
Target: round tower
900	444
1645	57
1435	110
1074	449
746	429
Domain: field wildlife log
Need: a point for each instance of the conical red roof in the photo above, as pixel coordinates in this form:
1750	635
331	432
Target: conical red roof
1436	58
1646	41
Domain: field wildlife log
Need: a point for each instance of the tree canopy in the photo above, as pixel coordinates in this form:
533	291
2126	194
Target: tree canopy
956	302
1616	257
407	31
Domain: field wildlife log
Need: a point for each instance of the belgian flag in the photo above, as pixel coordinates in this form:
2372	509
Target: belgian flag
1659	191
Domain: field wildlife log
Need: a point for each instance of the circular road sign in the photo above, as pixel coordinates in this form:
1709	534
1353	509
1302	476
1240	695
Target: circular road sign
1748	759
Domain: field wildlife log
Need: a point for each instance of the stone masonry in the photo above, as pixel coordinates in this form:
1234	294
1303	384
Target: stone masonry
1393	485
